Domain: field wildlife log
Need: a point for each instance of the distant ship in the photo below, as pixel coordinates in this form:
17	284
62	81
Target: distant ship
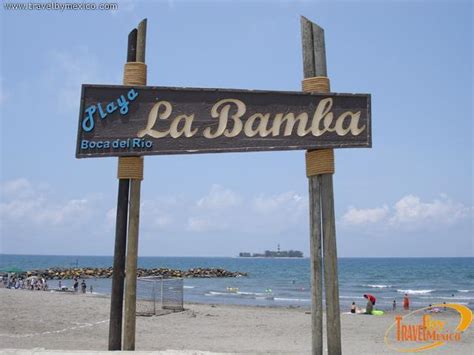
273	254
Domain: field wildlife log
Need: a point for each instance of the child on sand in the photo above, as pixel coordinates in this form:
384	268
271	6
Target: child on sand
353	307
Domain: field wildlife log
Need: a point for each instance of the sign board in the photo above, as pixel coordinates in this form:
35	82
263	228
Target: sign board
129	121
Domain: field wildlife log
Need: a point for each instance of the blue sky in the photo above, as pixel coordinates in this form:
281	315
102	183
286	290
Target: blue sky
410	195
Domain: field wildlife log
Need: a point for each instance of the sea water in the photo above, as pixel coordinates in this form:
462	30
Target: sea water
286	281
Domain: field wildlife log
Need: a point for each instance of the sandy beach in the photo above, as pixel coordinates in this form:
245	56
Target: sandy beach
49	320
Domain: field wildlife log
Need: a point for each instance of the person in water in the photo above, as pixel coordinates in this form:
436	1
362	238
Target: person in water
406	303
394	306
353	307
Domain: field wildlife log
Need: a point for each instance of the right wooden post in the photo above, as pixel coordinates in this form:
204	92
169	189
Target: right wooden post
319	169
134	170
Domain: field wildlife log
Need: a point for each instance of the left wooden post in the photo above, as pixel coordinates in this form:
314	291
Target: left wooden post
118	276
135	74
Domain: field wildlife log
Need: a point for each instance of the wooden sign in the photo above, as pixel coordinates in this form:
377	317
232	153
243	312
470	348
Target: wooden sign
128	121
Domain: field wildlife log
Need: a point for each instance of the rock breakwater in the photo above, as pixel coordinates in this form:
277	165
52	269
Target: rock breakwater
70	273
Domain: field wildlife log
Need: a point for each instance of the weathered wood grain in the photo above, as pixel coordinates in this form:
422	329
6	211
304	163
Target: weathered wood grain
131	267
316	265
310	70
199	102
133	230
331	278
141	41
118	278
132	46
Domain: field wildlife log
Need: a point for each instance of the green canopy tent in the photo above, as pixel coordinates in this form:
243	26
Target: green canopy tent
11	270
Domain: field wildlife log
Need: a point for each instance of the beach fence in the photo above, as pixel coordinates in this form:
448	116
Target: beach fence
157	296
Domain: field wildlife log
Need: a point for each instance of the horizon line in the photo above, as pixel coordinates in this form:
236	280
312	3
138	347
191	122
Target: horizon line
238	257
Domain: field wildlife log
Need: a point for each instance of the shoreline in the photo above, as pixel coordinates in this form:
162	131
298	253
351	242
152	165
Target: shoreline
53	321
303	305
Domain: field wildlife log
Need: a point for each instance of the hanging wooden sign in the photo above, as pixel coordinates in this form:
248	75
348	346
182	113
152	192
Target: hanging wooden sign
127	121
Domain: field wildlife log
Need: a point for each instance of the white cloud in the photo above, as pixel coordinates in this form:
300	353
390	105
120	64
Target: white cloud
63	212
223	209
28	209
20	188
218	198
288	200
357	216
205	224
162	213
409	212
24	203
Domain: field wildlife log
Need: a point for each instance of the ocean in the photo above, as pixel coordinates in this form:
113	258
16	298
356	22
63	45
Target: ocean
425	280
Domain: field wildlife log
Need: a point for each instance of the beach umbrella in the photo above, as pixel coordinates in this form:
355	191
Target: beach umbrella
32	278
370	297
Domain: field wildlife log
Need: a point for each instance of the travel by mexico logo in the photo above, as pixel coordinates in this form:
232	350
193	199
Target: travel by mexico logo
428	328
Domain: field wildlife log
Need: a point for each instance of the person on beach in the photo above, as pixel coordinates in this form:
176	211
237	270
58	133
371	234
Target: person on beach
370	303
406	302
371	298
353	307
394	306
60	285
76	285
370	307
83	286
91	288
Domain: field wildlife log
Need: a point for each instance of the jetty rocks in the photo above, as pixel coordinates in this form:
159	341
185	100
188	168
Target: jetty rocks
70	273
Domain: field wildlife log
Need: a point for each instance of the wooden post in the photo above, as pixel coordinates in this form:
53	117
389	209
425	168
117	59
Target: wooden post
331	279
131	267
310	70
118	277
133	227
321	195
141	41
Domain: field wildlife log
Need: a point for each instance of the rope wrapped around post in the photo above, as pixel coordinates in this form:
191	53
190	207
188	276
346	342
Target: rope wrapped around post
130	168
319	161
135	73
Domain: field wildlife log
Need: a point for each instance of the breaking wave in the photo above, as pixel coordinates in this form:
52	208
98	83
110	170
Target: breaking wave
415	292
